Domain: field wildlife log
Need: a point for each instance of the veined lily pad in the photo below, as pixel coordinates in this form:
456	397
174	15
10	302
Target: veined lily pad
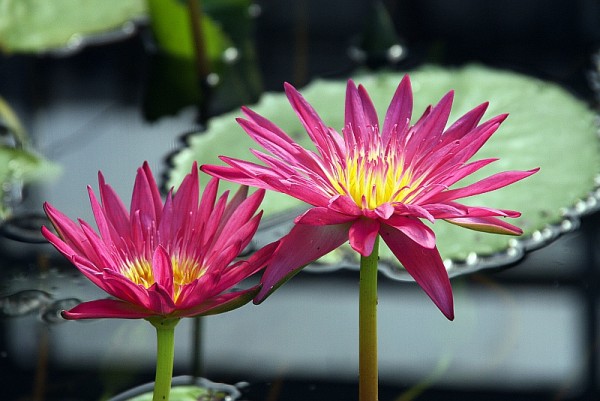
33	26
547	128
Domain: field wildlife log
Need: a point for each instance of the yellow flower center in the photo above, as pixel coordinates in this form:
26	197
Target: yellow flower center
185	271
139	272
372	178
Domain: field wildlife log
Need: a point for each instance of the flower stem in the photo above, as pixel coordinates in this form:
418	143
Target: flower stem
165	351
367	322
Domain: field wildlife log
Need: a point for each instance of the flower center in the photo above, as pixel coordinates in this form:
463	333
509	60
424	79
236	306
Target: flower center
139	272
185	271
373	177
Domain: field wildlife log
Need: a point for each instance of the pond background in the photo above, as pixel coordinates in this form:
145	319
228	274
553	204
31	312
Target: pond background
529	332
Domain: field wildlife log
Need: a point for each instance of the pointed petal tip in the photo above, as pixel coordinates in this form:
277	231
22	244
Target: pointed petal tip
289	88
449	314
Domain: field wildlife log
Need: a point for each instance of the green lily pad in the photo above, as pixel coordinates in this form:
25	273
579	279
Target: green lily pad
184	388
547	128
178	393
32	26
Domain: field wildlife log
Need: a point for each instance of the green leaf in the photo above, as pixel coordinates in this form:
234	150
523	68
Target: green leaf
547	128
172	30
42	25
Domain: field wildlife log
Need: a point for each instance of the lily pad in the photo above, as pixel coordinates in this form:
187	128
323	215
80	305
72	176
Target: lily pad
185	388
180	393
33	26
547	128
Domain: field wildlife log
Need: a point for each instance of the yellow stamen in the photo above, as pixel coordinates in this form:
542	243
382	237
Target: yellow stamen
185	271
377	178
139	271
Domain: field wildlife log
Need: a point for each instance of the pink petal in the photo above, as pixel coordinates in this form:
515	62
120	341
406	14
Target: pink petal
464	124
142	197
413	210
222	303
322	216
117	285
486	224
68	231
414	229
424	265
156	198
186	200
311	121
303	244
113	207
362	235
345	205
488	184
476	138
240	172
242	213
360	113
384	211
397	117
451	210
244	269
163	270
428	130
275	141
236	200
106	308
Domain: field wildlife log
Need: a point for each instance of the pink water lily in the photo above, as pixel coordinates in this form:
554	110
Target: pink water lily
160	260
375	181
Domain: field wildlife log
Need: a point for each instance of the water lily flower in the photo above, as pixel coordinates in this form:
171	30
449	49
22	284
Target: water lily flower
168	260
162	262
375	181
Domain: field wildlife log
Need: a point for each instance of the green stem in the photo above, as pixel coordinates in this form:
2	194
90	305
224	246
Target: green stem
165	352
367	323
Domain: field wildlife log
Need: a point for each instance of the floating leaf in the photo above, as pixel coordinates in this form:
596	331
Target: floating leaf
33	26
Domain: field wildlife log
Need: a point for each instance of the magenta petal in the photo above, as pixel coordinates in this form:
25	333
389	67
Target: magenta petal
221	303
359	112
362	235
321	216
397	117
303	244
240	172
113	206
487	224
424	265
106	308
163	270
344	204
414	229
488	184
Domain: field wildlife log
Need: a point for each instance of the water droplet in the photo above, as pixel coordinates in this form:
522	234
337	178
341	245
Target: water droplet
254	10
395	53
231	55
213	79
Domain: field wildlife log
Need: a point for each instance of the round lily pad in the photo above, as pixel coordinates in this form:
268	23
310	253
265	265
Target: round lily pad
33	26
547	128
